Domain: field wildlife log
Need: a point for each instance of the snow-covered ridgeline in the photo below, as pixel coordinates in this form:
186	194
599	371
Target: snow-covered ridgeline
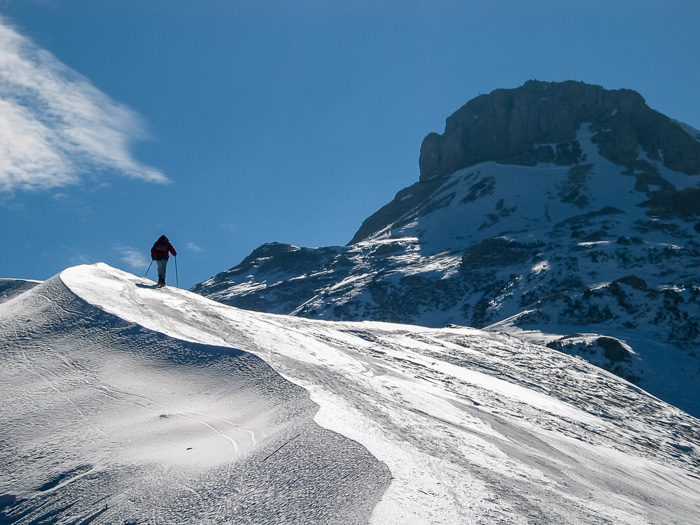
104	421
117	407
473	426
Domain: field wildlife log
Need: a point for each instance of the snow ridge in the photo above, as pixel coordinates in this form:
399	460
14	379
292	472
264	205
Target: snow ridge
473	426
109	422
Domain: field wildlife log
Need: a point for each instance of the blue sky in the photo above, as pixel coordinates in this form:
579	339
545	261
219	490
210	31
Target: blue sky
226	124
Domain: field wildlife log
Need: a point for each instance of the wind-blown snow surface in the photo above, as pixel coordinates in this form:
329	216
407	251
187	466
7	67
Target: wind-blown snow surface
108	422
11	287
126	403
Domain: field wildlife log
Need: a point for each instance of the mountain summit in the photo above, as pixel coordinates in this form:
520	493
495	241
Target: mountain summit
563	213
521	126
539	123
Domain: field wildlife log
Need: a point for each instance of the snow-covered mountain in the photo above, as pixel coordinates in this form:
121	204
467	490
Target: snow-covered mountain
563	213
125	403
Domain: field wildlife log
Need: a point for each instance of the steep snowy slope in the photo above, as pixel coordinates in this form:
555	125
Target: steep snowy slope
11	287
546	211
127	402
105	421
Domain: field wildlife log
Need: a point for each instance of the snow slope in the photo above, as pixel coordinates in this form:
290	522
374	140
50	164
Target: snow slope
130	403
11	287
549	248
108	422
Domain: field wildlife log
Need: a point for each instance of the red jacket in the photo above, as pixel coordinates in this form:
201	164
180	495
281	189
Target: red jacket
161	248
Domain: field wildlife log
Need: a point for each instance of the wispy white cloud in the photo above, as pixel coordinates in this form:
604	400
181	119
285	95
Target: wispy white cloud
55	126
193	247
134	258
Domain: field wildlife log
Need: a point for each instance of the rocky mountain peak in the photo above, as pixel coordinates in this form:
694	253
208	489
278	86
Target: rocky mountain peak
562	213
534	123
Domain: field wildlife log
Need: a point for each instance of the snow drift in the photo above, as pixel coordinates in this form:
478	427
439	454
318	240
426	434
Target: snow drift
126	403
107	421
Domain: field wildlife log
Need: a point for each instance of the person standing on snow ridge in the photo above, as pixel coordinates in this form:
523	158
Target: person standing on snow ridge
160	254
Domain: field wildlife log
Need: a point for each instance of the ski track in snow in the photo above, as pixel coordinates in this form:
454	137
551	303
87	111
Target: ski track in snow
474	427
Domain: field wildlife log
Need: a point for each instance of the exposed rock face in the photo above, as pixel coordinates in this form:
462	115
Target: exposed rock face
520	126
575	218
538	123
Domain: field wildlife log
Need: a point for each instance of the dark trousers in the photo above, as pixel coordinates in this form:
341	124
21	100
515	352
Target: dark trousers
162	265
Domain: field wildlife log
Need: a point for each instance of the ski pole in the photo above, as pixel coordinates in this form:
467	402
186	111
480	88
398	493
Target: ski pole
149	267
177	279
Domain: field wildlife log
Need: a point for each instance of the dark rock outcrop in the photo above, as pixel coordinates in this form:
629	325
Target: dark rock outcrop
538	123
532	123
683	203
